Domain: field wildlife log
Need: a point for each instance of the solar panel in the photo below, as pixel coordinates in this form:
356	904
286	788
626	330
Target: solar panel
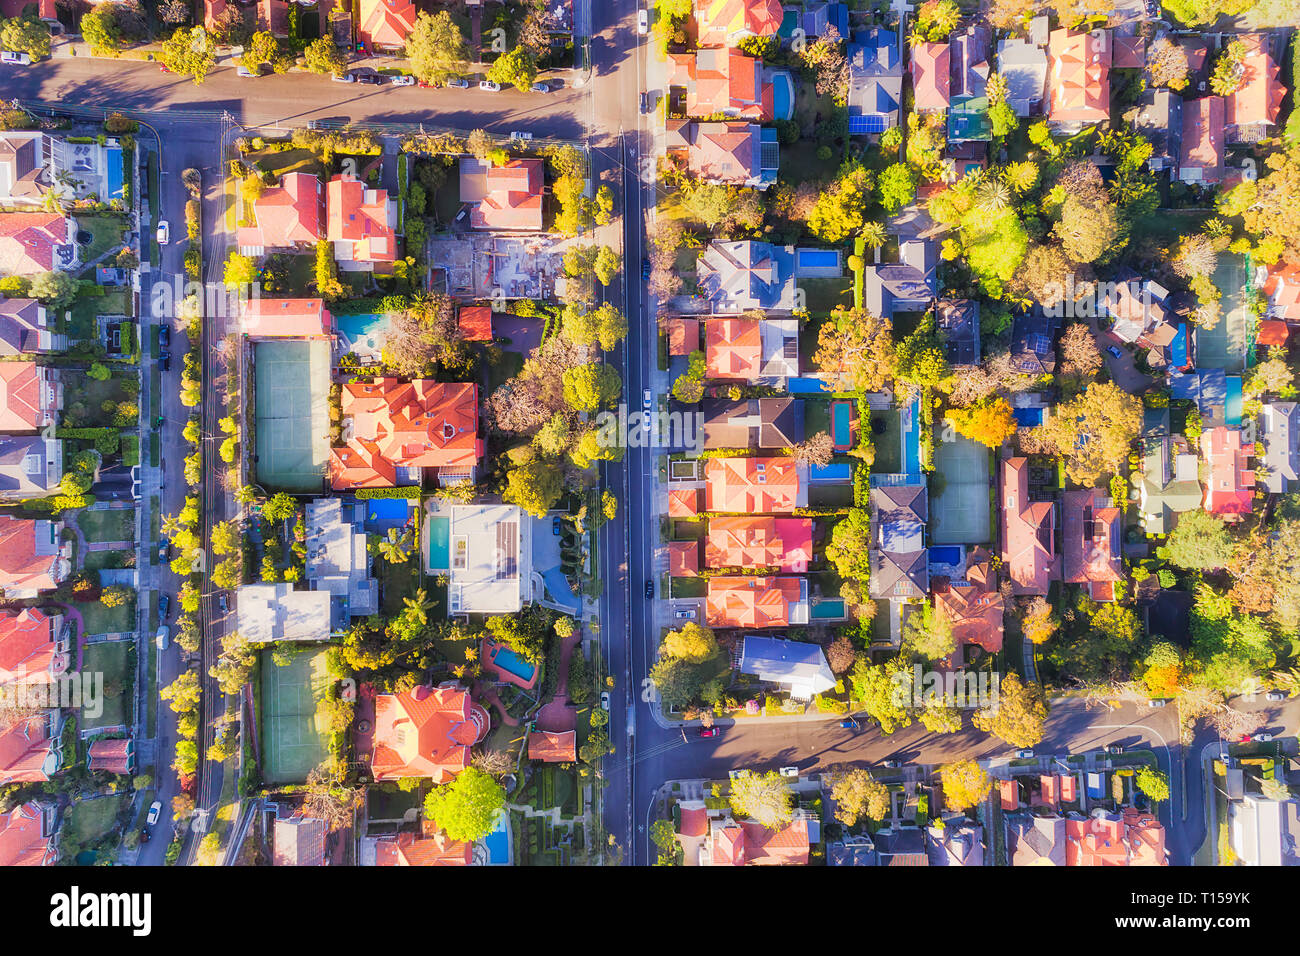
875	123
857	125
1041	344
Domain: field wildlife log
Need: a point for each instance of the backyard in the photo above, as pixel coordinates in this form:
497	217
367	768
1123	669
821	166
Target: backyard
106	232
113	660
81	325
89	820
110	524
86	398
99	619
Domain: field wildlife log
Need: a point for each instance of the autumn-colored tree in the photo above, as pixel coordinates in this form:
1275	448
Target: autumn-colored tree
692	642
1270	206
816	449
1018	716
1079	353
763	797
989	422
1167	64
858	795
1162	671
965	784
855	351
840	654
1094	431
1039	622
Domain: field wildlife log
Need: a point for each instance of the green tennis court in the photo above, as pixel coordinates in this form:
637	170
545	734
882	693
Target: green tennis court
294	737
292	395
1224	346
960	513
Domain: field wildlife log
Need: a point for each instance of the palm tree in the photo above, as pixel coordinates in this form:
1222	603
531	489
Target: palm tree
994	196
395	548
419	605
873	234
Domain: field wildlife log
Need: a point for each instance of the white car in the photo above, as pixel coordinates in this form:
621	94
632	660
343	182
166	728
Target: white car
459	83
17	59
163	637
604	701
155	811
643	22
489	87
245	71
343	77
403	81
164	232
1263	738
647	410
521	135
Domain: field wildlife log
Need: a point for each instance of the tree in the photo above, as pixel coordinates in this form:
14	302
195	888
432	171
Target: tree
692	643
425	333
26	34
1094	431
280	507
678	682
114	596
1153	783
436	48
965	784
929	633
262	48
57	290
849	545
838	211
764	798
990	422
535	487
322	55
184	692
395	547
855	351
1272	788
605	325
1270	206
189	53
1089	227
939	717
935	20
328	285
1200	541
816	449
1018	716
1079	353
607	265
1161	670
517	66
1039	622
689	386
241	270
825	58
589	387
466	808
1270	377
858	795
1167	64
1042	274
840	654
897	187
878	688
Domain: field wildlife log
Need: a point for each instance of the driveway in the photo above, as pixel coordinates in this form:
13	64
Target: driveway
1123	372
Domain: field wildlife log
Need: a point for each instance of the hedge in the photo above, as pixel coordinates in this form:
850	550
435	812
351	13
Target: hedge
87	433
409	491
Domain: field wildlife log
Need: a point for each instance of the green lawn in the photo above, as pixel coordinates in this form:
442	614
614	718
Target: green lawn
286	161
86	307
397	581
117	524
889	450
106	235
107	620
816	416
688	587
825	294
88	820
99	560
113	660
85	397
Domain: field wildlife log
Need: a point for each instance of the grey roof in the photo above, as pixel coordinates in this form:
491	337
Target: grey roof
875	75
1279	427
29	466
1207	387
960	321
1265	832
1160	120
739	276
337	557
899	503
1035	840
969	64
958	843
20	326
904	846
903	285
753	423
899	575
803	666
859	853
1033	346
1024	66
1165	492
276	612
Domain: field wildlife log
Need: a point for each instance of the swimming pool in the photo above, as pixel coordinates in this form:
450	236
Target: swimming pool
385	513
817	261
842	424
806	386
439	544
1028	417
508	660
836	474
827	610
363	334
911	422
946	554
1232	401
497	842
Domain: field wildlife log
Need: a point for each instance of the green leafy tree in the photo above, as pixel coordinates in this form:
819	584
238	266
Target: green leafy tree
1200	541
26	34
589	387
467	807
517	66
184	693
929	633
57	290
322	55
884	692
897	187
535	487
1019	715
1153	783
436	48
855	350
189	53
765	798
693	643
850	544
678	682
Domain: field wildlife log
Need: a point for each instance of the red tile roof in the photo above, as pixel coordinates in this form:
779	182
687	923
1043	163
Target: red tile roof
683	559
27	650
733	348
1145	836
751	602
751	485
435	849
28	241
419	424
23	841
113	756
300	841
1229	492
1028	545
1271	332
286	318
22	408
25	746
1259	98
974	608
1202	142
1009	791
695	821
1090	539
1095	841
426	732
747	842
1078	77
723	20
683	335
758	541
385	23
45	10
1128	53
930	75
719	81
513	197
475	322
1283	290
21	567
288	214
358	215
683	502
561	747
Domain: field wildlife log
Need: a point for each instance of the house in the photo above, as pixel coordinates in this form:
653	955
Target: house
753	485
475	322
754	603
1078	79
753	423
35	646
899	567
725	82
503	198
1279	427
32	557
286	318
290	216
1028	532
759	541
727	22
875	81
1132	838
27	329
1170	484
735	277
800	669
1208	388
362	224
25	167
1252	109
35	242
31	397
761	351
112	755
1200	157
1090	531
905	286
30	466
1035	840
27	835
551	747
854	851
683	502
959	321
969	64
733	152
269	15
1159	120
31	748
491	550
430	847
338	560
1023	65
1282	287
393	430
683	559
1264	832
746	843
901	846
427	732
385	24
1145	836
1033	334
683	333
973	606
299	841
36	165
930	80
276	612
959	842
1229	492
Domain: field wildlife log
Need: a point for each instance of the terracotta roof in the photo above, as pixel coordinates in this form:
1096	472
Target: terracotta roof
300	841
1095	841
1202	140
22	566
759	541
286	318
751	485
358	215
28	241
1259	98
27	650
561	747
426	732
974	607
1146	838
45	10
785	846
418	424
1090	540
1271	332
721	21
23	840
437	849
683	502
683	559
1009	791
475	322
25	745
385	23
751	602
21	406
723	151
930	67
723	81
683	335
512	197
288	214
733	348
1128	53
1283	290
695	821
1229	492
1078	77
1029	549
113	756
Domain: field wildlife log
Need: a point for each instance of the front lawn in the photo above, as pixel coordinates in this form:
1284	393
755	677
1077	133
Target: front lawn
89	820
86	307
113	660
106	236
85	398
281	162
114	524
107	620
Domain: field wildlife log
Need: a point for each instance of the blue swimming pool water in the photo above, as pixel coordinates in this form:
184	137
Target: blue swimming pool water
946	554
806	385
818	258
1232	402
781	105
912	439
497	842
1028	417
386	513
365	331
508	660
116	182
841	420
837	474
439	544
827	609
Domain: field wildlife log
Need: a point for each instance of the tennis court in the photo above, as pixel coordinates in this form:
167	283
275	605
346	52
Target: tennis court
292	395
294	737
960	514
1224	346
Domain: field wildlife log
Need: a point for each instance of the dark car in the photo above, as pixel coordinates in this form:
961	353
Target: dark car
848	723
164	336
645	102
164	605
221	603
891	764
1114	749
145	835
164	361
164	551
374	79
645	268
649	588
710	731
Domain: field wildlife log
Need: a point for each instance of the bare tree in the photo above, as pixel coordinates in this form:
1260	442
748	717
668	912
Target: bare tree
817	449
1231	723
497	763
327	799
1079	353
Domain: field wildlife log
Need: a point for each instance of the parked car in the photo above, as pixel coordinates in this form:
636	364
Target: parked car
155	811
163	637
164	335
789	771
458	84
221	603
245	71
164	605
685	614
1275	695
849	723
164	232
522	135
371	79
15	58
1114	749
1024	754
541	87
647	409
1246	739
164	547
145	834
555	525
1114	352
164	361
1263	738
604	701
343	78
649	588
645	269
1158	702
643	22
710	731
891	764
403	80
487	86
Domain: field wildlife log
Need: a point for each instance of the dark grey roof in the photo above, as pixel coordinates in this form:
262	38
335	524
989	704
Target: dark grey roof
960	321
